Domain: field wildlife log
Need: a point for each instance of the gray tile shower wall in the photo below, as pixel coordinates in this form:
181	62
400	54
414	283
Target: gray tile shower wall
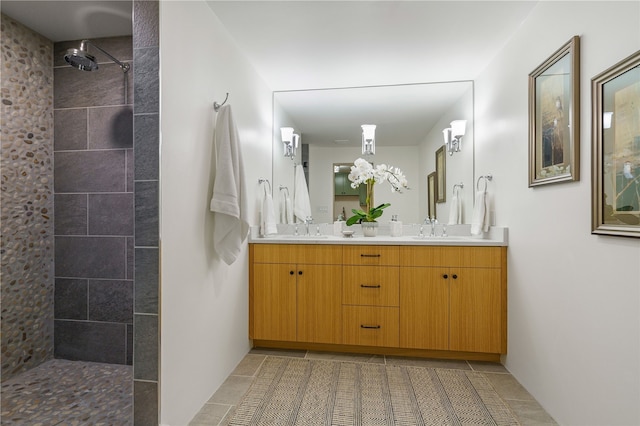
26	197
94	231
146	132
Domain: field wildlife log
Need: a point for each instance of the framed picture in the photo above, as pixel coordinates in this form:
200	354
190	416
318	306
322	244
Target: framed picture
441	174
615	197
554	117
432	189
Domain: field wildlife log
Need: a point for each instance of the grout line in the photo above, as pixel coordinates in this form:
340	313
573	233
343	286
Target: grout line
145	381
94	193
225	414
92	150
93	235
255	373
91	321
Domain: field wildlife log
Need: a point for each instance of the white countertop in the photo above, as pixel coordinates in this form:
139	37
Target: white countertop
458	235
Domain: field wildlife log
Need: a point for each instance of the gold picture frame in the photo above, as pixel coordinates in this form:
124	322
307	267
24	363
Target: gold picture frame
615	97
432	189
441	175
554	117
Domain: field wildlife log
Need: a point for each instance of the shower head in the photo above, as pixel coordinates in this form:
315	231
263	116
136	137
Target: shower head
81	59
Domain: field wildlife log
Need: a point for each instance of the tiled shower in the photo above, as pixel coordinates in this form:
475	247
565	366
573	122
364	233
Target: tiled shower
76	281
93	157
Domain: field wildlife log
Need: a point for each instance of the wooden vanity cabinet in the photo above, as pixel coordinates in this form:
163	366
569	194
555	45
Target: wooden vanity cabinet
411	300
453	298
296	301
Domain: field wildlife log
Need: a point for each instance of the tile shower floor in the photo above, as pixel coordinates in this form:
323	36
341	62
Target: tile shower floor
221	406
70	393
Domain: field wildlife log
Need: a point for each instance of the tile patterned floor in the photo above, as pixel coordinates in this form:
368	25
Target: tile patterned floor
220	407
70	393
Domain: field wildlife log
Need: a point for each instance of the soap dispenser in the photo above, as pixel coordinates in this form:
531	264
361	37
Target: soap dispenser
395	226
337	225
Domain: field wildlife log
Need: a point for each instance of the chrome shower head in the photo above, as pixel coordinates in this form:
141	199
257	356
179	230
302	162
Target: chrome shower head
81	59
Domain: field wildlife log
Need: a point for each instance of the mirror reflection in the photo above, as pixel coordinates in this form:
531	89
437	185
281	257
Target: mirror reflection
409	120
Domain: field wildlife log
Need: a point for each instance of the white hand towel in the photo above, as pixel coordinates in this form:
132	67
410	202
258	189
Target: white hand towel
455	210
289	205
267	215
286	207
228	203
282	207
480	219
301	203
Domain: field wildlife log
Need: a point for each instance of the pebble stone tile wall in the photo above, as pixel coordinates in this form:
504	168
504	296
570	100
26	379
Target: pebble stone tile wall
26	248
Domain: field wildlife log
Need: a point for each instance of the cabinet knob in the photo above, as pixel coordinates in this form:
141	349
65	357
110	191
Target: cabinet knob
290	272
369	255
445	276
299	272
369	286
454	276
369	326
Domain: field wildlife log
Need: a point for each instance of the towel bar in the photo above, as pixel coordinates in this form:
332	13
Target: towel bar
263	180
216	106
486	178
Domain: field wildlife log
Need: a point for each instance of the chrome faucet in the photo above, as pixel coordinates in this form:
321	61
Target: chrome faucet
421	229
308	221
434	222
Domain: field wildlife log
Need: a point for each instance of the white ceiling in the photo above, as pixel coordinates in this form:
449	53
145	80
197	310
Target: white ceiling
313	44
298	45
72	20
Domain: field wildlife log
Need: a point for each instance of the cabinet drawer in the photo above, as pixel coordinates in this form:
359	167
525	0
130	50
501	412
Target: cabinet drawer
478	257
370	326
370	285
320	254
370	255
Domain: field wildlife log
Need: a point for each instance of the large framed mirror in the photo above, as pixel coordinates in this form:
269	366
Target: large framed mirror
410	120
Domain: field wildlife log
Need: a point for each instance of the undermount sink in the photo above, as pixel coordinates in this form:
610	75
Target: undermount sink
441	238
305	237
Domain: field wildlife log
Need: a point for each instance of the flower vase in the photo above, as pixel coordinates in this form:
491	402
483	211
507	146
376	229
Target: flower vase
369	229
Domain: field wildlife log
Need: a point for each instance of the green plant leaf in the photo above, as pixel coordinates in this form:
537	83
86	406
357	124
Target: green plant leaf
353	220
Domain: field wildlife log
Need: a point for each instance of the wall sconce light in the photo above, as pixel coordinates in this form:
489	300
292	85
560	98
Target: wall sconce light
368	139
606	120
453	136
290	141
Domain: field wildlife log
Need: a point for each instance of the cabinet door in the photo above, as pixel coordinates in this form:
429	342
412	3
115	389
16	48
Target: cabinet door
343	185
476	315
274	302
424	308
319	303
338	183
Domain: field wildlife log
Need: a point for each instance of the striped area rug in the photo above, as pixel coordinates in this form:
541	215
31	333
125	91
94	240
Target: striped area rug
292	391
